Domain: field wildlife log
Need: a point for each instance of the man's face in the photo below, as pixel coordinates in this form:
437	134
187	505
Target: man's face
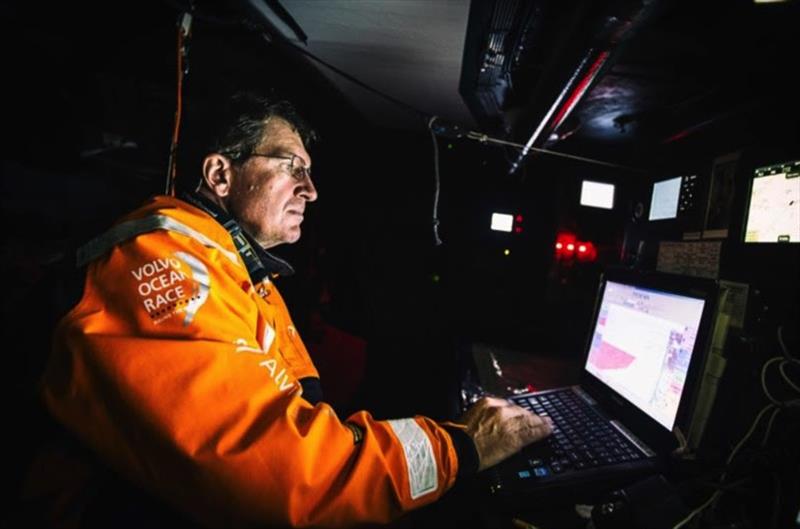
266	199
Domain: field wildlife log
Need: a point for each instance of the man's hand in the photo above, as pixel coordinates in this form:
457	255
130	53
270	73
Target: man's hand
500	429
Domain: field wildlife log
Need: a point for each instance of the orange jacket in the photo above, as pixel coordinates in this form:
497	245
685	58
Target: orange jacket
184	376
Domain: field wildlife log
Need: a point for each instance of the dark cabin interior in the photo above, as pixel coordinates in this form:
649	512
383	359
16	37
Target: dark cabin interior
432	116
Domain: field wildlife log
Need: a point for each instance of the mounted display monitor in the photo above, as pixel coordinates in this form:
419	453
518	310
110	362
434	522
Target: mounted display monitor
502	222
773	213
664	203
597	194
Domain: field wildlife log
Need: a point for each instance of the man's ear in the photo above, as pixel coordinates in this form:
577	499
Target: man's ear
217	174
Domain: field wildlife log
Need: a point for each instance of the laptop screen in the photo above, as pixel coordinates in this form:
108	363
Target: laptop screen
642	345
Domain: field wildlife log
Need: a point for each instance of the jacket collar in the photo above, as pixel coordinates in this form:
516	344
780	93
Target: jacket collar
260	263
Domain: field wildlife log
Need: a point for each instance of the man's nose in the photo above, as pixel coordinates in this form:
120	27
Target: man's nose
308	191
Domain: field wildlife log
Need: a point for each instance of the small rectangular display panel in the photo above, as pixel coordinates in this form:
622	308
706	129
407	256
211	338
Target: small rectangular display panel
666	195
502	222
597	194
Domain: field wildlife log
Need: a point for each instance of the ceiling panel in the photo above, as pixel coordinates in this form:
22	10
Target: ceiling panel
410	50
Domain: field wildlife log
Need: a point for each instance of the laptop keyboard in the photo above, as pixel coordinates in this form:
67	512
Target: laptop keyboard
581	438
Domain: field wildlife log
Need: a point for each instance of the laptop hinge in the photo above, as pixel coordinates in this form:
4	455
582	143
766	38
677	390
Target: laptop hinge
585	396
632	438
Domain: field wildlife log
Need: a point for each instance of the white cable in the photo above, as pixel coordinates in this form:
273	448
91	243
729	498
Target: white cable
774	406
696	511
436	238
746	437
786	378
683	445
769	426
764	378
736	449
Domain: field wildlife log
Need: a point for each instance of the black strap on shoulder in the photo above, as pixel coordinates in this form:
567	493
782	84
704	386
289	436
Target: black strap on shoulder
260	263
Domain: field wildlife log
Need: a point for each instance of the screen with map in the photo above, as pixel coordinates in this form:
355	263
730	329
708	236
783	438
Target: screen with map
642	346
774	211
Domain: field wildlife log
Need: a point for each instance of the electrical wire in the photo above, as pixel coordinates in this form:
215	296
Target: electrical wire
775	407
683	445
483	138
789	359
184	29
764	378
436	238
784	349
775	413
782	369
744	439
697	511
714	497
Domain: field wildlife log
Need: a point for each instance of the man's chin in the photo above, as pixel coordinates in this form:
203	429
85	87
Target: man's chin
288	235
293	236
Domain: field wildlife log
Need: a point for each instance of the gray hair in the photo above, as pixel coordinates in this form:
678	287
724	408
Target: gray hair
245	120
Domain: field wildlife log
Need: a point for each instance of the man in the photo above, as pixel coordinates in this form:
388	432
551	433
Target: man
181	369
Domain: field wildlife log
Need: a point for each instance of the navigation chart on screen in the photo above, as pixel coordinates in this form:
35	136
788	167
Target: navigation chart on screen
642	345
774	214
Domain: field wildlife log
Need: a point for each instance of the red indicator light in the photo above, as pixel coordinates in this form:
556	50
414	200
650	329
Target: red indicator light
587	251
565	245
569	248
518	229
519	218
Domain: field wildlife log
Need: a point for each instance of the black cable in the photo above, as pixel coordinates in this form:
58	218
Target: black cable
288	19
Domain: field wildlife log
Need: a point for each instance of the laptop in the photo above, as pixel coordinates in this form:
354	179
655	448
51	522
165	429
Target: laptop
645	352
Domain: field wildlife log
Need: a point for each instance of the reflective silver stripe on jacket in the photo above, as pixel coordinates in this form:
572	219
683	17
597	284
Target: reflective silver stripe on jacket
129	229
423	475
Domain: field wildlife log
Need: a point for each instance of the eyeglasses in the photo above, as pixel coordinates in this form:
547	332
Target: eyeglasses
297	168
